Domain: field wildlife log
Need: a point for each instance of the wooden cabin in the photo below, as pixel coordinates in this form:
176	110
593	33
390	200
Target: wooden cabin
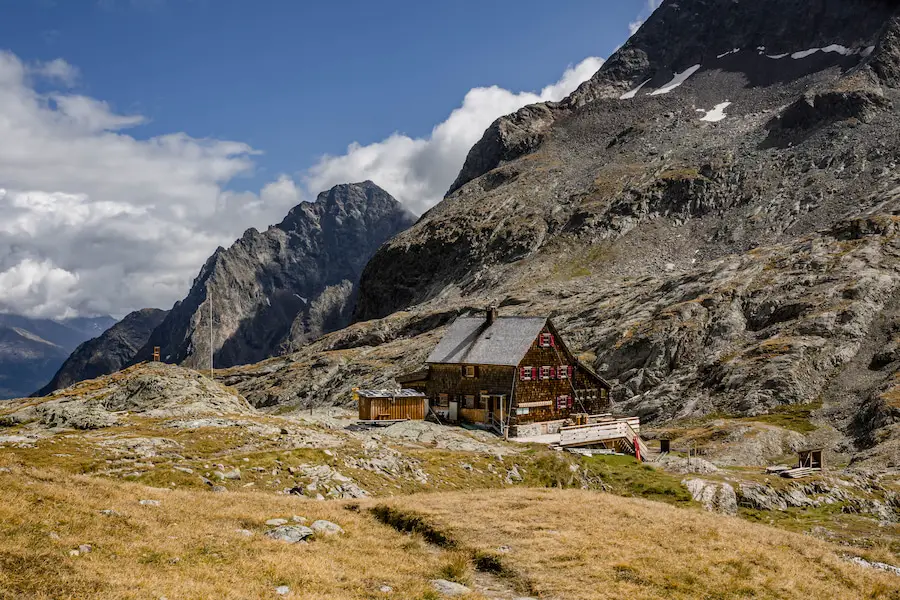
415	380
391	405
810	459
515	374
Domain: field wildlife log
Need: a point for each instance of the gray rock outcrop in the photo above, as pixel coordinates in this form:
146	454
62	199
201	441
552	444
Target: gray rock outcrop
276	290
112	350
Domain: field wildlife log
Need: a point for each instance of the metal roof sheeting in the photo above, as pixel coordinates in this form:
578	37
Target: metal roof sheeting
470	340
390	394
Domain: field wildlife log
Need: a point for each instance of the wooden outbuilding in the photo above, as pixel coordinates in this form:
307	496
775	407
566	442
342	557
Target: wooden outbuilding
811	459
391	405
514	374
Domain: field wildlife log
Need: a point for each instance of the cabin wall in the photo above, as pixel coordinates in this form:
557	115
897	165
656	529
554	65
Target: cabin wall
371	409
537	400
449	379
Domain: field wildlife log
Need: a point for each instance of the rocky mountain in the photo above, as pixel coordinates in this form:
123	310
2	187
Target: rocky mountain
31	350
109	352
712	220
278	289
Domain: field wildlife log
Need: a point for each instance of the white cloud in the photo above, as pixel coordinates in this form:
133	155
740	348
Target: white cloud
58	70
418	171
97	221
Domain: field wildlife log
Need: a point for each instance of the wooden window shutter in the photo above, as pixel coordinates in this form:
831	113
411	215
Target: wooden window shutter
571	371
552	373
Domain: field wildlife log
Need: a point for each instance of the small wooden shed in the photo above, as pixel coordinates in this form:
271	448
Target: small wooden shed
811	459
391	405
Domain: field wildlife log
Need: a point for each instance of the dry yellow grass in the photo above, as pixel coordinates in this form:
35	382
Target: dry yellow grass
565	543
189	546
576	545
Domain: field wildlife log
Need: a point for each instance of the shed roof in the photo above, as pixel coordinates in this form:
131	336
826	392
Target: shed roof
470	340
390	394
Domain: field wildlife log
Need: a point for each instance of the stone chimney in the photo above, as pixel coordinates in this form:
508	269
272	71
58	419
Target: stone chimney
491	315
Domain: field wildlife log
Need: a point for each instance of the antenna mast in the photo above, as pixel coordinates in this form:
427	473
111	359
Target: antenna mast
211	368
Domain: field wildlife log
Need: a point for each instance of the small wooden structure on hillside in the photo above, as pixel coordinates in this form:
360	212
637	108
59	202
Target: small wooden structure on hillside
391	405
513	374
810	459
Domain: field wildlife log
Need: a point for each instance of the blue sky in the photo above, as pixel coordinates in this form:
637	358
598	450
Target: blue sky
299	79
139	135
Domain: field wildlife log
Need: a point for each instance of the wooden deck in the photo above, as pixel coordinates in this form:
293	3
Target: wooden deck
613	434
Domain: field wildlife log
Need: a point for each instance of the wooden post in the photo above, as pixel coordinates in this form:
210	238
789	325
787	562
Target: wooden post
637	449
156	353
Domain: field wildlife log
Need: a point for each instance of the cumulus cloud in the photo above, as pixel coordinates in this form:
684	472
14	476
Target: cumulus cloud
418	171
98	221
58	70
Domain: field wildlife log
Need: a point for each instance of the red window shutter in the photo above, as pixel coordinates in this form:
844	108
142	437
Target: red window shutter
552	372
552	340
571	370
571	402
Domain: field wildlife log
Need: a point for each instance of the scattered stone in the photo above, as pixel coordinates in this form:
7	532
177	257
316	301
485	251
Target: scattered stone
879	566
84	548
234	474
5	470
108	512
73	553
326	528
276	522
183	470
53	535
385	589
149	502
244	532
715	497
684	466
467	467
219	475
504	549
298	519
449	588
282	590
219	489
292	534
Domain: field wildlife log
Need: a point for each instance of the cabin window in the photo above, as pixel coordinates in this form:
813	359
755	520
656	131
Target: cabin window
546	340
563	402
522	411
526	373
483	400
470	401
547	372
443	400
469	371
564	372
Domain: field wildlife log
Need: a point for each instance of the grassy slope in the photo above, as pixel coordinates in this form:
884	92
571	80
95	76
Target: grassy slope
564	543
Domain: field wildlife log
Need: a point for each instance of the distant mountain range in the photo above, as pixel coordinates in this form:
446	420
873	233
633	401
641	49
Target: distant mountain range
31	350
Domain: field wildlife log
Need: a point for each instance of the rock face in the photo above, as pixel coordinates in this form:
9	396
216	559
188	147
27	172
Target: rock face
713	218
109	352
31	350
281	288
151	389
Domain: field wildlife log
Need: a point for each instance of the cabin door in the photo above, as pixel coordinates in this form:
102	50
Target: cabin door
454	411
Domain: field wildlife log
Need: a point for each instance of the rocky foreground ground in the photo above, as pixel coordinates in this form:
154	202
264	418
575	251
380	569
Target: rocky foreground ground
162	448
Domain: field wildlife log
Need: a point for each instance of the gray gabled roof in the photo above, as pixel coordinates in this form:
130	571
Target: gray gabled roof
470	340
389	394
